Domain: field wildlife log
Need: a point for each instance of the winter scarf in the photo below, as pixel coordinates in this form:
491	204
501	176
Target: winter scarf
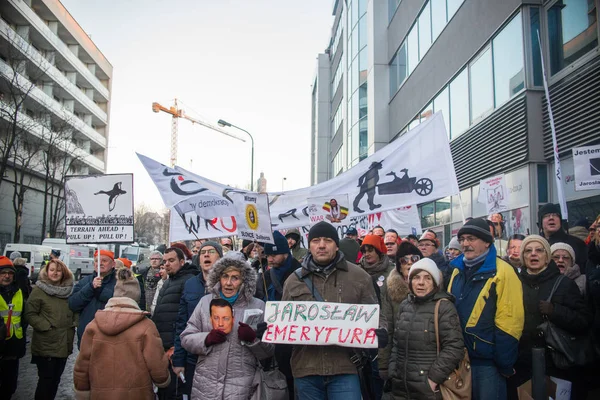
231	300
380	266
61	291
279	274
312	266
477	260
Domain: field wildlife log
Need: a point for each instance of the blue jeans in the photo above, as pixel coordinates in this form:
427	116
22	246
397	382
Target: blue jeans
487	383
336	387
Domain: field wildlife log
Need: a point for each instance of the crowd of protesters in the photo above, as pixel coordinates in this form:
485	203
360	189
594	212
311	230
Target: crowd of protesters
180	328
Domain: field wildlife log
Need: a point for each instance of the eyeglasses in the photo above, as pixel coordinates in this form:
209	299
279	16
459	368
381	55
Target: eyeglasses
195	251
469	239
539	250
156	259
6	273
426	245
551	215
558	258
211	252
409	259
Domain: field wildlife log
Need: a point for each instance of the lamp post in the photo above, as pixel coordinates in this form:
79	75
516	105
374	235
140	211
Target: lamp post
225	123
282	181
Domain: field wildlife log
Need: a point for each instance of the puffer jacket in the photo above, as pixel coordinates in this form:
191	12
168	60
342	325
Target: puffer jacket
346	283
393	293
414	357
592	273
378	272
52	320
167	306
86	300
227	370
121	355
570	313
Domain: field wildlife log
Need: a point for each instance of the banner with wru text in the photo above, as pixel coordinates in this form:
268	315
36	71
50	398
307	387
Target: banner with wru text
99	208
321	323
586	165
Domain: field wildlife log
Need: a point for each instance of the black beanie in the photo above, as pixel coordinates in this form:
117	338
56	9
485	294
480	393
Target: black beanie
477	227
548	209
407	248
324	229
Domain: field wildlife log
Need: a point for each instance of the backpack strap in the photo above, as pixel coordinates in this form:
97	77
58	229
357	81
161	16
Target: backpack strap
275	281
556	284
436	317
309	283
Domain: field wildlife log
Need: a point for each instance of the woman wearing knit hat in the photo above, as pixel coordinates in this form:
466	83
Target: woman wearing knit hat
564	257
393	293
121	335
416	367
53	326
566	309
375	261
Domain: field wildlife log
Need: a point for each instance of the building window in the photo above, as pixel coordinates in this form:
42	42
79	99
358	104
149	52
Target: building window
572	31
453	6
363	139
424	30
337	119
413	49
459	104
509	77
442	103
336	40
337	163
536	56
438	17
427	112
337	77
392	6
482	84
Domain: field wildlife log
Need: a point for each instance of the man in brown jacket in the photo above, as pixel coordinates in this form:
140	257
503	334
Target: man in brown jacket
326	372
121	352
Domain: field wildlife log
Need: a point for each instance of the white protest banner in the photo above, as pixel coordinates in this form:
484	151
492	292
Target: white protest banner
493	192
99	208
252	214
333	209
321	323
190	226
586	165
395	176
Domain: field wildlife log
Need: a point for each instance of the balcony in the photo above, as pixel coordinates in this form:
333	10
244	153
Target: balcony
60	46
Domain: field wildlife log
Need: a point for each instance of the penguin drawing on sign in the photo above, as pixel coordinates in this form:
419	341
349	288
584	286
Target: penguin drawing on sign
112	194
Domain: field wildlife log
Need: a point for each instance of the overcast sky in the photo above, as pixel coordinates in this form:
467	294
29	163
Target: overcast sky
251	63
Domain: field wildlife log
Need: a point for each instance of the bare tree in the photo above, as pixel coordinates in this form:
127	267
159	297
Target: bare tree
148	225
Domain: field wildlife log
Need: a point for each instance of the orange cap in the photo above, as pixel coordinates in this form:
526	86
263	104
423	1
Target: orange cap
375	241
106	253
126	262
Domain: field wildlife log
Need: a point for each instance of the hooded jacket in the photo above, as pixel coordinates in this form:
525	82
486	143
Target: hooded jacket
414	357
52	320
86	300
297	252
346	283
167	306
121	355
490	308
225	370
393	293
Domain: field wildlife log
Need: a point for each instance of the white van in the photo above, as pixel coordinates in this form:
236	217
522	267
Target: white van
35	254
79	258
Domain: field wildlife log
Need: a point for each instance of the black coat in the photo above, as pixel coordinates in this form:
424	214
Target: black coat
592	272
167	305
570	313
414	356
578	245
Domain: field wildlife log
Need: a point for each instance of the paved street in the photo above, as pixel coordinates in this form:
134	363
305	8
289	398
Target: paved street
28	376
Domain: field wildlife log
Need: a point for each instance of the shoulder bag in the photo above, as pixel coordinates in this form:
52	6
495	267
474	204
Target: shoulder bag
458	384
272	384
566	349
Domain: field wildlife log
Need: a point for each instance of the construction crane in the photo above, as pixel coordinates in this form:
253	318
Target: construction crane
178	113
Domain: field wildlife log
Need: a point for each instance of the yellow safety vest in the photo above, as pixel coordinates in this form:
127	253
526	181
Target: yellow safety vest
15	321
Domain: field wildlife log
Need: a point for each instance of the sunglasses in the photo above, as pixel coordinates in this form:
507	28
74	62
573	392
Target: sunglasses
409	259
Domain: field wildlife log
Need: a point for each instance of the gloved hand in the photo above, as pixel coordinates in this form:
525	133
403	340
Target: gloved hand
382	337
215	337
546	307
261	328
246	333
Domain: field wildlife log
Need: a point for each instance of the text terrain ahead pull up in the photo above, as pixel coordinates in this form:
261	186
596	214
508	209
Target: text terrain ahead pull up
321	323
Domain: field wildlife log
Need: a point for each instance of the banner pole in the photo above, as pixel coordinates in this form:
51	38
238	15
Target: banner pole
557	170
462	211
98	261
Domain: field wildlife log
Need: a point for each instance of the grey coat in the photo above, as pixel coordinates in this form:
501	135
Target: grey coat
414	356
227	370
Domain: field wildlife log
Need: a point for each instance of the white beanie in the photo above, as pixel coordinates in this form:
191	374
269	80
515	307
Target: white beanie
454	244
563	246
428	265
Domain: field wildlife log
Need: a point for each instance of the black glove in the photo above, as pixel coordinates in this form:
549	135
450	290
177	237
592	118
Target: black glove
261	328
215	337
546	307
382	337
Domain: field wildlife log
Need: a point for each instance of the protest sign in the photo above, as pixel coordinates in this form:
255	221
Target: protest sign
586	165
332	209
99	208
321	323
493	192
256	222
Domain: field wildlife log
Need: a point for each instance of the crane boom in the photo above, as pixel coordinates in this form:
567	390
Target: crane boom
177	113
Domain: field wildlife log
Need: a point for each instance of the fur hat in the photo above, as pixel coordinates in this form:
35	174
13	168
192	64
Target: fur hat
248	275
20	261
14	255
280	246
425	264
454	244
376	242
5	263
563	246
548	208
540	240
477	227
214	244
324	229
127	285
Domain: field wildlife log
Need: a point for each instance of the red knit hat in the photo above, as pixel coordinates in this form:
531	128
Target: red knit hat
126	262
186	252
375	241
106	253
6	263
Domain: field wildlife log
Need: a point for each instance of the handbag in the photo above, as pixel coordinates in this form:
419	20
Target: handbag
458	384
272	385
566	349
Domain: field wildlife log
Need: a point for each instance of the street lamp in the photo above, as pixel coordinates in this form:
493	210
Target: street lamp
283	180
224	124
